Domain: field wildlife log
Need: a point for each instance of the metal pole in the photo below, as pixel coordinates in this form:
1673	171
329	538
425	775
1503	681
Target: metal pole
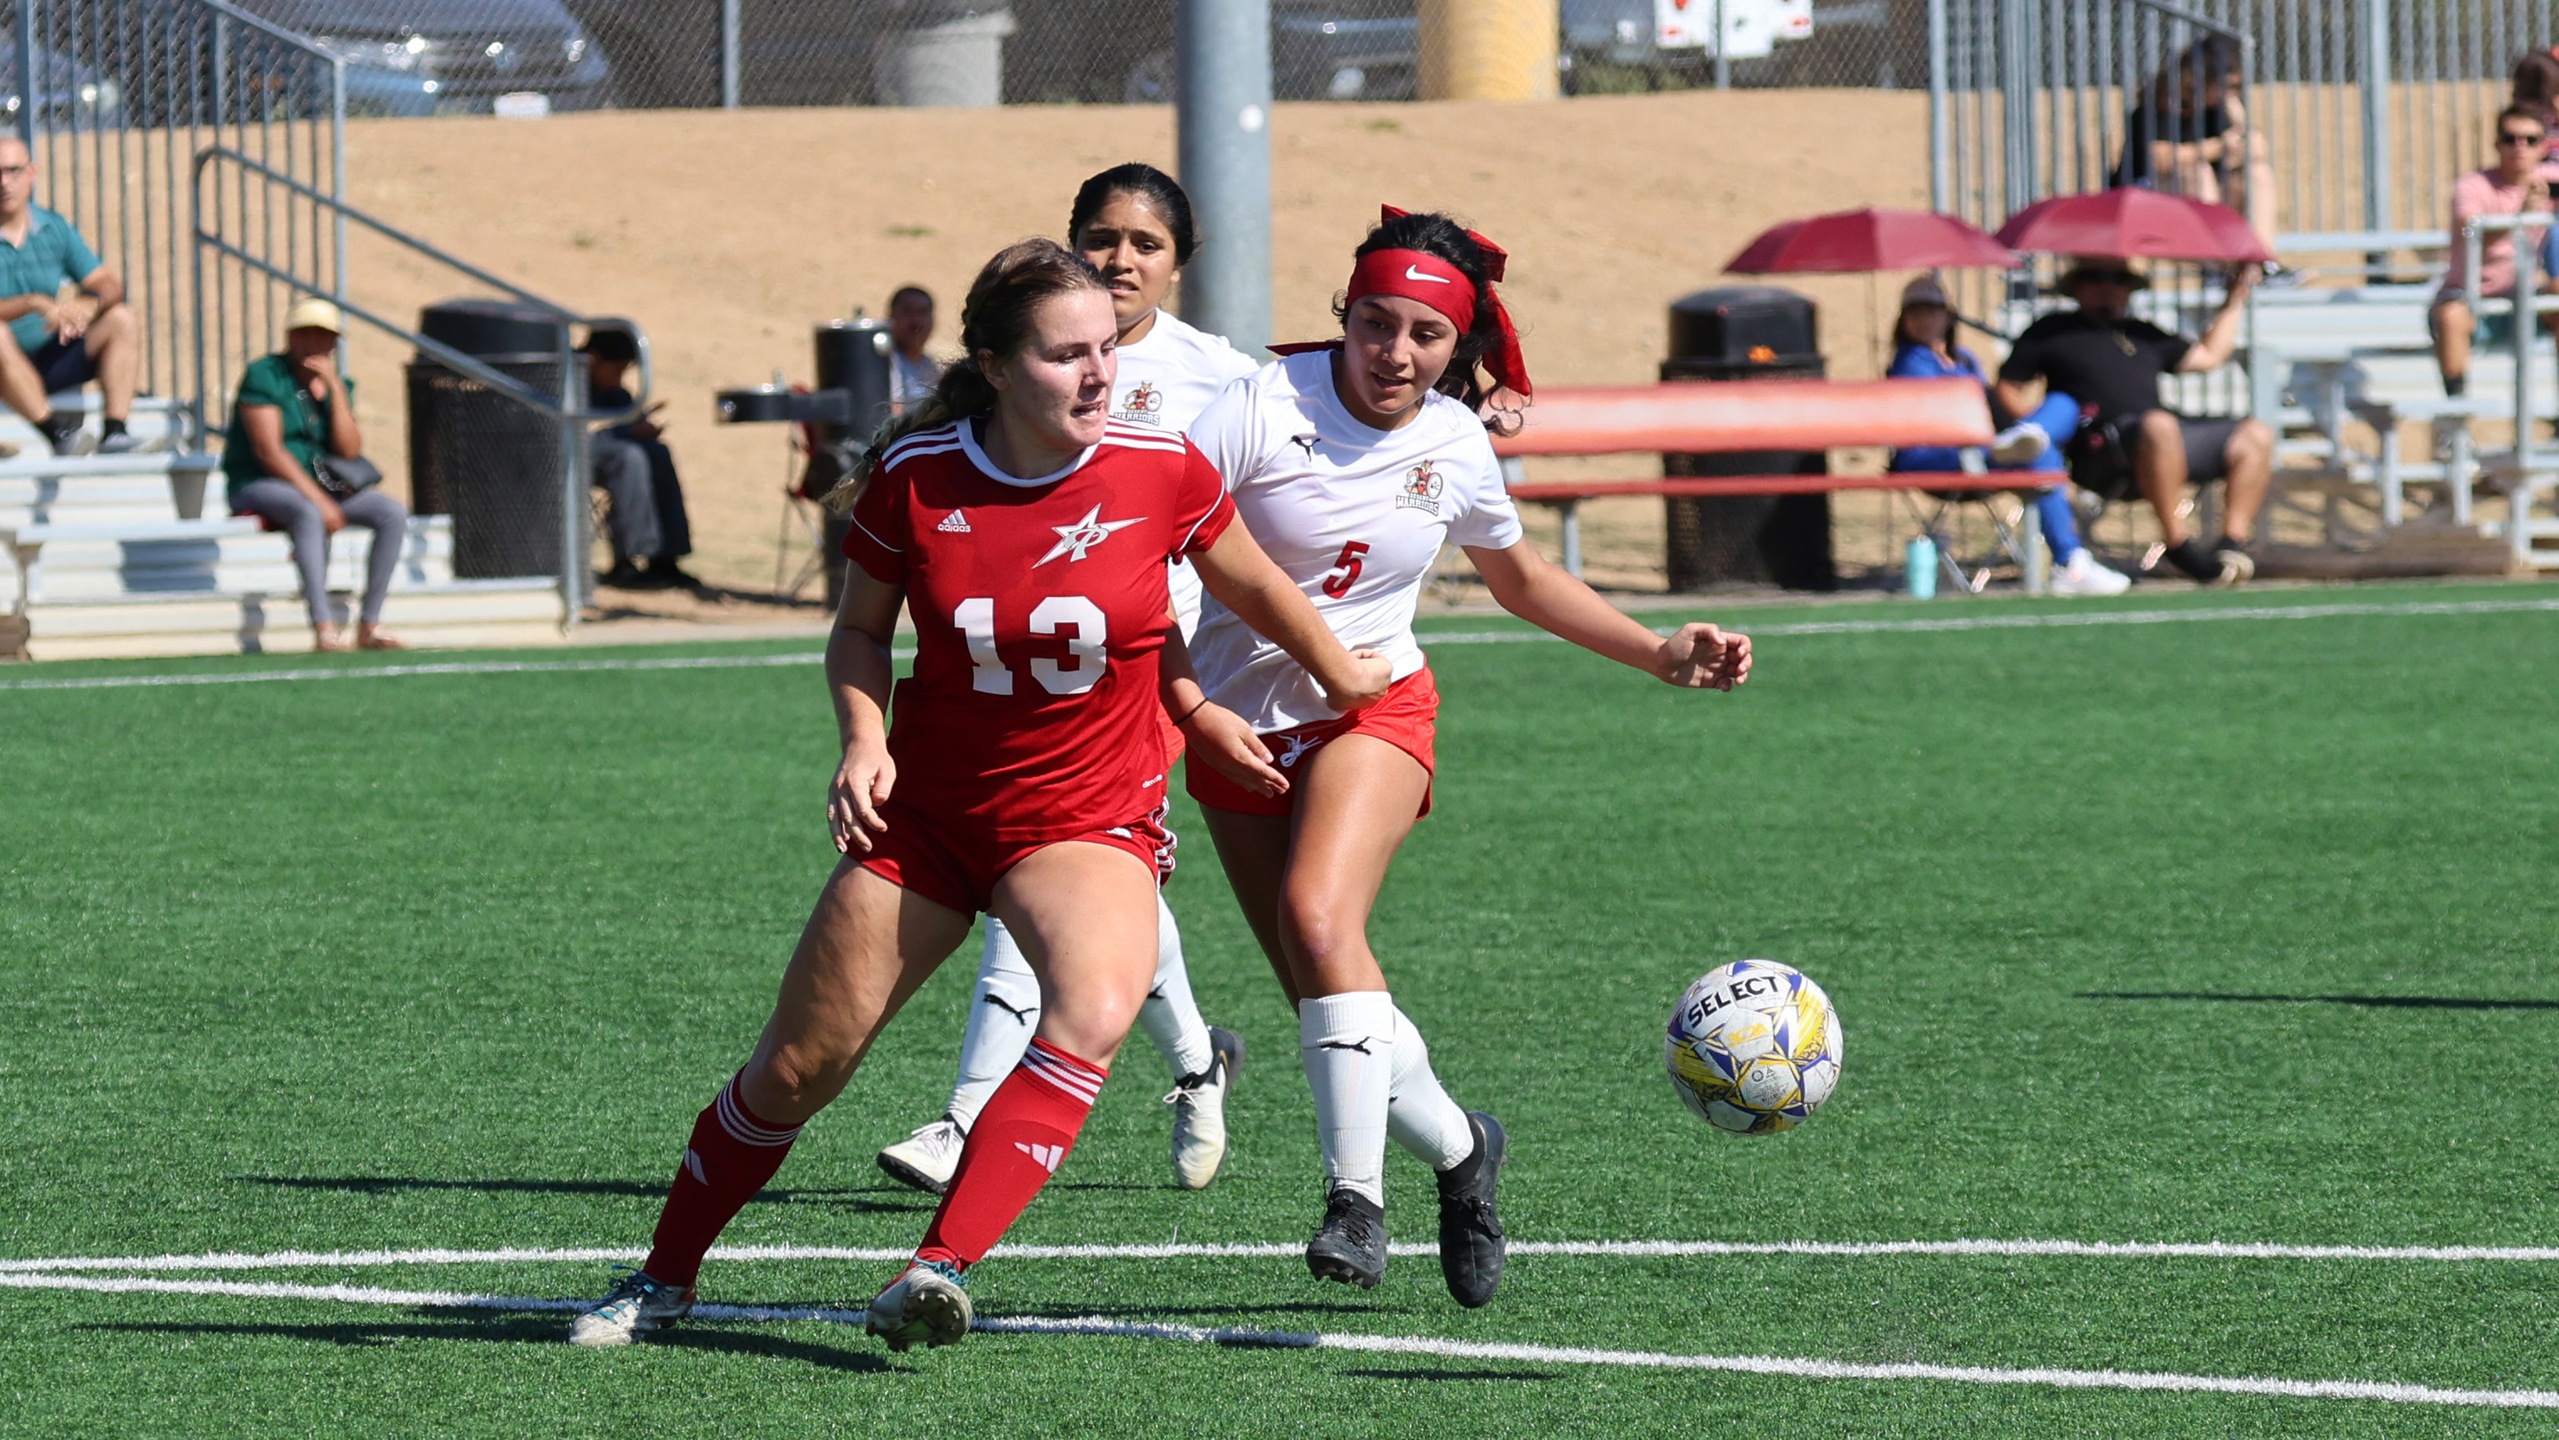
1941	155
2376	57
26	76
573	502
2016	107
1223	49
728	54
1723	60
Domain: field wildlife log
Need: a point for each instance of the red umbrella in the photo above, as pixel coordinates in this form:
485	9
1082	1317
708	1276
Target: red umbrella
2129	222
1870	240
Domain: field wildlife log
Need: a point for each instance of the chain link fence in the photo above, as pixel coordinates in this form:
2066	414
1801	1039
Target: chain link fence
425	57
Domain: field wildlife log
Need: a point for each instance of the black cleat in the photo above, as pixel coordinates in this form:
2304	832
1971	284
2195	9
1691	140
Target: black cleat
1471	1247
1350	1246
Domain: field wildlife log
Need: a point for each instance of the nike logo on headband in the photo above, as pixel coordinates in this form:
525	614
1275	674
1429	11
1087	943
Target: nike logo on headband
1412	273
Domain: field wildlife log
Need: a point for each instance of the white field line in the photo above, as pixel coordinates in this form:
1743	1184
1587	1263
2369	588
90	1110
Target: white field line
1589	1249
1094	1326
2064	619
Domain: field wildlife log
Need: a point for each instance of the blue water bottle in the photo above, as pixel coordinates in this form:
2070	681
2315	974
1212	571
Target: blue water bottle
1919	563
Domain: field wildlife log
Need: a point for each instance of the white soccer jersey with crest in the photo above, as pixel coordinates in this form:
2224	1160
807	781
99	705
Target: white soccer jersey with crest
1355	516
1165	381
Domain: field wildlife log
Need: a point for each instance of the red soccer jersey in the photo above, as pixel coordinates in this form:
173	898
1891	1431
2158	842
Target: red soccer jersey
1040	611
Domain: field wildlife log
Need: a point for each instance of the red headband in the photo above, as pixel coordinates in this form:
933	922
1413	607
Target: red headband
1422	276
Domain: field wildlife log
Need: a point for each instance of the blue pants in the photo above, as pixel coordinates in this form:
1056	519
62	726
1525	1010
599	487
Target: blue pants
2057	417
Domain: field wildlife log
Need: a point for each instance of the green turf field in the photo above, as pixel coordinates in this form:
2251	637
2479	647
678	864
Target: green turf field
2227	930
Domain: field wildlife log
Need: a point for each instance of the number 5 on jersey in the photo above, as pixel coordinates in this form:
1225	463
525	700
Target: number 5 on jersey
1345	572
976	619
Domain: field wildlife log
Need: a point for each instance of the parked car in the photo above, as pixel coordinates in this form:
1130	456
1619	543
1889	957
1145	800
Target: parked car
402	57
68	95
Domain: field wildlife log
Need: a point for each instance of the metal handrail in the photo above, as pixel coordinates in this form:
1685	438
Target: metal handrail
486	375
571	408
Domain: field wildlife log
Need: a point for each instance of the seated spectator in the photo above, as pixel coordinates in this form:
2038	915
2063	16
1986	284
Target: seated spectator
2112	362
1924	349
294	459
636	472
2514	185
2536	84
2190	136
50	342
912	373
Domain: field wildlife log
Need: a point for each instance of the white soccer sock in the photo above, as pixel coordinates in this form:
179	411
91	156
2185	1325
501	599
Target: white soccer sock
1419	1115
1170	1017
1004	1011
1348	1044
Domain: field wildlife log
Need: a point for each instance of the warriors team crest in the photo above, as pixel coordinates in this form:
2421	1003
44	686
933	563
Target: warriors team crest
1421	488
1144	405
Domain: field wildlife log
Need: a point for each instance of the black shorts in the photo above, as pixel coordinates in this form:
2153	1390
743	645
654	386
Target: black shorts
63	364
2207	444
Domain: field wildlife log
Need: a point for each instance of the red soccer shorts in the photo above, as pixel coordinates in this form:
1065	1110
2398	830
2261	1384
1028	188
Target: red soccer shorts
949	866
1406	719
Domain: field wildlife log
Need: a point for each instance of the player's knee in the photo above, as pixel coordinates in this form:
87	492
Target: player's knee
2162	426
795	1077
1317	931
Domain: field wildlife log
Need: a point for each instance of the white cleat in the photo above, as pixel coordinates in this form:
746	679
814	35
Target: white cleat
1199	1112
2085	576
637	1305
928	1303
928	1158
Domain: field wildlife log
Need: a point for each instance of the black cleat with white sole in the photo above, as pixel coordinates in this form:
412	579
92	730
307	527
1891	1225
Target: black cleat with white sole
1350	1246
1471	1247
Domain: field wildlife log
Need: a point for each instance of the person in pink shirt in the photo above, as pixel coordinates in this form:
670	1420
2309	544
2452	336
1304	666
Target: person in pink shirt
2513	186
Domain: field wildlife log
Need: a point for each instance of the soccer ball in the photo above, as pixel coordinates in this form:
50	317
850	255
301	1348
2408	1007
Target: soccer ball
1754	1048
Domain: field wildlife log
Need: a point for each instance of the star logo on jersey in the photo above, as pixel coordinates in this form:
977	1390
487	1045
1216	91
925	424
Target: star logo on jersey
1421	487
1143	404
1073	540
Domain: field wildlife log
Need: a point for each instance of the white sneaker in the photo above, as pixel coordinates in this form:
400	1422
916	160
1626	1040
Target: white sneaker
1199	1112
2019	445
636	1305
927	1158
2084	576
927	1303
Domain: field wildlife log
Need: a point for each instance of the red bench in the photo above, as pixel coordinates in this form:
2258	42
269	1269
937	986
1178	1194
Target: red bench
1695	417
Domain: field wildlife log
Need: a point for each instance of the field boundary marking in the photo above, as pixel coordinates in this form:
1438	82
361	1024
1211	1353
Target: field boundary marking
1908	625
2392	1392
1264	1250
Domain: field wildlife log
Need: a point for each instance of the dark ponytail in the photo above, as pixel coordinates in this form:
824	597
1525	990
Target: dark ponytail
1160	191
1436	234
995	321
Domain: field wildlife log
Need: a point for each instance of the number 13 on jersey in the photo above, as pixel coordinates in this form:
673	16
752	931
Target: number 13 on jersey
1088	635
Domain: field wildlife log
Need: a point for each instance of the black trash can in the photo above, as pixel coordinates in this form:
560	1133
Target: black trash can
478	455
1747	332
852	356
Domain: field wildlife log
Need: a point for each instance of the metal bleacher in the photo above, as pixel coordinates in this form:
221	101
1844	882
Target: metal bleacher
125	555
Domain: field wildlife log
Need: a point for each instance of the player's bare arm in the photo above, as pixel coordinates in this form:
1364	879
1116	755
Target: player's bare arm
1245	581
1216	734
858	676
1528	585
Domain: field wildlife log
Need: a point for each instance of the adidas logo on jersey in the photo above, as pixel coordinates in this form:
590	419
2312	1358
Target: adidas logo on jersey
954	523
1048	1155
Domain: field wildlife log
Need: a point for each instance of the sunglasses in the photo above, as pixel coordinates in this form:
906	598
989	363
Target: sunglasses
2517	137
2106	277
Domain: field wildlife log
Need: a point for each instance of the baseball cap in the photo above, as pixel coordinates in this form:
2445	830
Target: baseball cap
313	313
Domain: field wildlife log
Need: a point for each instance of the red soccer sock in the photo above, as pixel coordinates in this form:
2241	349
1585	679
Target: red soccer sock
1019	1140
729	1157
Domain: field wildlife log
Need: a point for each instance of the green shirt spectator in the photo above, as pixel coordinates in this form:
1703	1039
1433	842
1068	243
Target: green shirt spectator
52	256
270	381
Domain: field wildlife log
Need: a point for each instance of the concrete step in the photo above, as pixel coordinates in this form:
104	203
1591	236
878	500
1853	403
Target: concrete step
226	560
465	613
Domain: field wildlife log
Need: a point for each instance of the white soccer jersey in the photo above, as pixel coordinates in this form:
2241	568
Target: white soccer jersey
1355	516
1165	381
